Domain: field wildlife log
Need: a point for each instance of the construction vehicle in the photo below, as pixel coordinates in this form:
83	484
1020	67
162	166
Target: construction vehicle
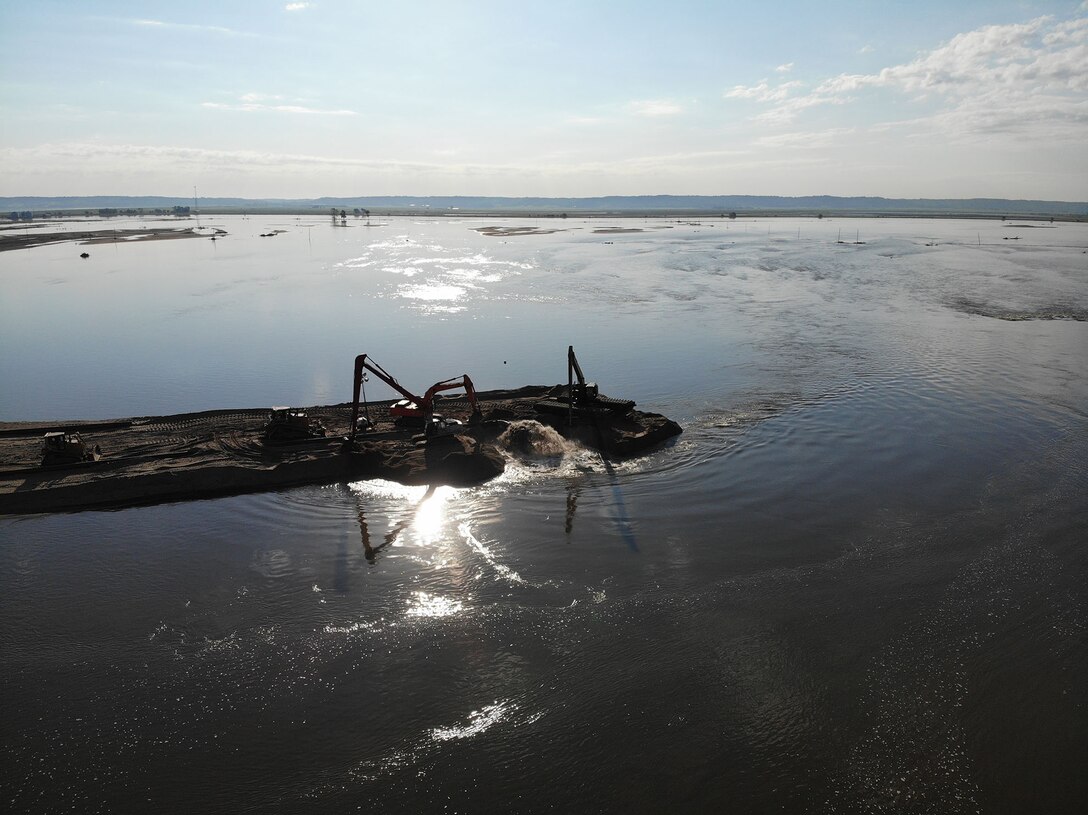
288	425
412	410
60	448
581	399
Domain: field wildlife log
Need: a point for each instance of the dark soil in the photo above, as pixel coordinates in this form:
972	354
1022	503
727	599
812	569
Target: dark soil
221	452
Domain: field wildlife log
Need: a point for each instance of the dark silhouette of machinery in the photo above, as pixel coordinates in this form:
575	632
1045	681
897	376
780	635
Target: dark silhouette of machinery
60	448
287	425
581	399
412	410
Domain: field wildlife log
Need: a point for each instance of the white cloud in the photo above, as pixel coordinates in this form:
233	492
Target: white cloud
785	68
136	156
655	107
133	159
787	110
210	29
257	107
779	165
764	92
1026	77
806	140
297	6
866	49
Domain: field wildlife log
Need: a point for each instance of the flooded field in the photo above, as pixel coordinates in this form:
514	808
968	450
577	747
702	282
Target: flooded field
856	583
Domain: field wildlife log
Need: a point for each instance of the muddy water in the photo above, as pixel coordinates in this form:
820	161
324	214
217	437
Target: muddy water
855	583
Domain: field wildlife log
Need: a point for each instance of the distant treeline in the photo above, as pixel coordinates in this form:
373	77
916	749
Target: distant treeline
608	205
101	212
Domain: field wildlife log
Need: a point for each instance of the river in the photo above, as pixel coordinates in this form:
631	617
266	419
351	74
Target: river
856	583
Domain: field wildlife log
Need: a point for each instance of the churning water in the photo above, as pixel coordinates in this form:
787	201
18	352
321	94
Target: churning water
856	583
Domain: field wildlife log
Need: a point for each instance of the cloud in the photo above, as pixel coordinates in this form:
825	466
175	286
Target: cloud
764	92
1024	77
249	104
1011	56
209	29
866	49
136	156
806	140
785	68
134	159
297	6
655	107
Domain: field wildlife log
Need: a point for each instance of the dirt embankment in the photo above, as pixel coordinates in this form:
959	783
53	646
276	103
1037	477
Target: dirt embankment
198	455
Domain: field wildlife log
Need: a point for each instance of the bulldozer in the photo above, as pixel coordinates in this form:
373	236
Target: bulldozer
60	448
287	424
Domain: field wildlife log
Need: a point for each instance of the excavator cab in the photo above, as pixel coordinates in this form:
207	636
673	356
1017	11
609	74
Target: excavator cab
583	393
406	412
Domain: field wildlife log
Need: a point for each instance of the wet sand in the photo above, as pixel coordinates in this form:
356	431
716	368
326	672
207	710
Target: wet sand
1045	312
515	231
87	238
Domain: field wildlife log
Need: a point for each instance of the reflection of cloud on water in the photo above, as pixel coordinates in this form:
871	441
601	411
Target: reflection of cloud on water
432	291
406	271
451	275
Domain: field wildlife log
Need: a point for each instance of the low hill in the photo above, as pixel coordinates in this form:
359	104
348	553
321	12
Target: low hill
617	205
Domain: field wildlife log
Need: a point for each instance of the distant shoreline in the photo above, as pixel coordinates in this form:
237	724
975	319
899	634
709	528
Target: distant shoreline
615	206
54	215
43	230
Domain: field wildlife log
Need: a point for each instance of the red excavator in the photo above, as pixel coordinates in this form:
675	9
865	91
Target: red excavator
412	410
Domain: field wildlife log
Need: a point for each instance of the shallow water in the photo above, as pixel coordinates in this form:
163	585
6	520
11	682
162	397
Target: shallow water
855	583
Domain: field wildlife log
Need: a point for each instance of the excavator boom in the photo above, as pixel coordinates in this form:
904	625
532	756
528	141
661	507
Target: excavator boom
361	366
418	408
461	381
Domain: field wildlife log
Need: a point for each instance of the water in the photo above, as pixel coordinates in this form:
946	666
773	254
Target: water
854	584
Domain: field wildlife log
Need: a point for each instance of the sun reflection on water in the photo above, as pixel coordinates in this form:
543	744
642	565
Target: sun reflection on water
478	721
423	604
428	520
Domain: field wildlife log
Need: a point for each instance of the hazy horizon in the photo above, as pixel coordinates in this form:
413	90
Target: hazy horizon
626	204
310	99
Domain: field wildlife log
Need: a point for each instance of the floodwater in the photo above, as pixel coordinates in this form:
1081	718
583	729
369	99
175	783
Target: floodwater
856	583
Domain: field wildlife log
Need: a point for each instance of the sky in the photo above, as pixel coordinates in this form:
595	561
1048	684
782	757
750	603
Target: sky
238	98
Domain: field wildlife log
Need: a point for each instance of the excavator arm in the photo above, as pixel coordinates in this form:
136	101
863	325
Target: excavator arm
574	368
452	384
362	365
421	407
